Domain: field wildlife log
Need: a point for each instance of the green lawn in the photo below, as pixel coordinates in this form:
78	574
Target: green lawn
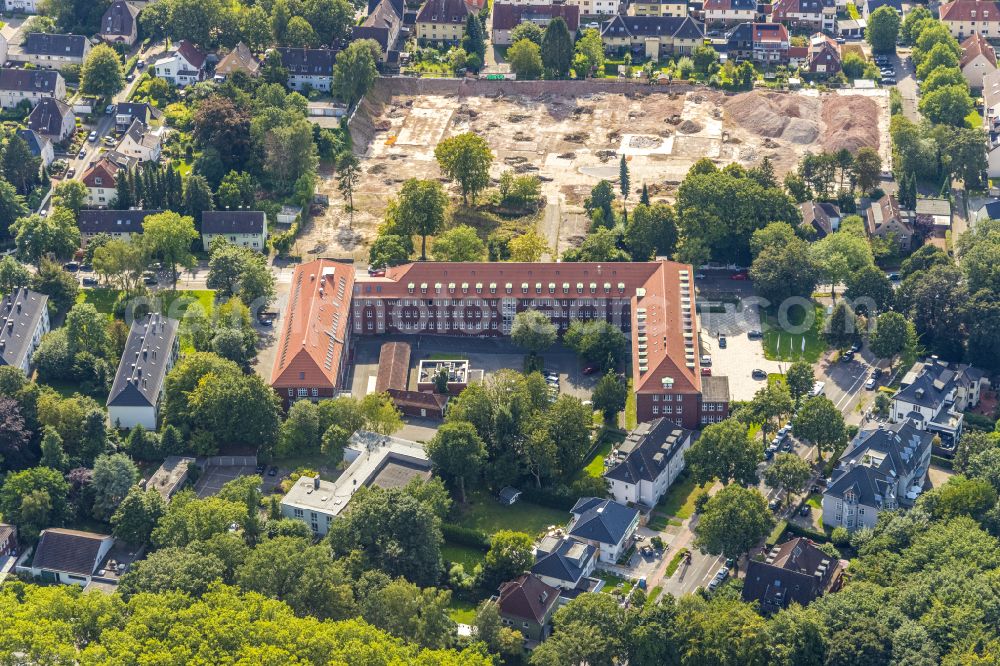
467	556
815	500
653	595
974	120
631	414
611	581
489	516
675	562
446	356
609	438
679	500
461	611
783	346
172	303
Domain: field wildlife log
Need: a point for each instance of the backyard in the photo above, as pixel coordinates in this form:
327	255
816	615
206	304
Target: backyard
608	440
171	303
485	514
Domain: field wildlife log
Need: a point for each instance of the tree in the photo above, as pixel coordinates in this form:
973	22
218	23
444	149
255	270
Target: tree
331	19
420	210
624	180
525	56
15	437
557	49
769	405
459	243
533	331
982	322
948	105
842	326
733	521
219	124
380	414
596	342
961	496
786	270
941	77
526	30
70	194
388	250
911	21
704	57
842	254
510	554
724	452
239	271
289	154
242	409
134	519
650	231
893	335
473	40
172	569
489	627
299	34
867	169
86	330
190	519
12	275
113	476
820	422
101	74
870	291
38	237
466	158
348	177
53	455
610	395
300	433
34	499
853	65
943	53
936	302
169	236
590	52
599	204
788	471
883	30
800	380
237	189
527	247
354	71
408	612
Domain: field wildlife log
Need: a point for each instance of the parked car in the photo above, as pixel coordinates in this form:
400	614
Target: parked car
894	277
81	154
70	173
699	276
870	384
706	372
706	360
272	471
847	356
856	347
89	282
109	140
589	369
804	511
758	374
109	109
376	272
722	342
877	373
742	275
260	469
71	266
774	504
92	137
140	64
754	334
150	280
768	453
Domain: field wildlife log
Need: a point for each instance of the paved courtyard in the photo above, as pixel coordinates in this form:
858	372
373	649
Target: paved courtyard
741	355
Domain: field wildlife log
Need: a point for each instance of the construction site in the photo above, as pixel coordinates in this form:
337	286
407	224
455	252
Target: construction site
572	134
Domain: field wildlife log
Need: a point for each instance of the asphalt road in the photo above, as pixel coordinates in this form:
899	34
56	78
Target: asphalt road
906	82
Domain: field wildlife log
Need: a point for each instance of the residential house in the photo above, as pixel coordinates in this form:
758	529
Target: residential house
383	24
526	604
653	37
988	211
661	8
798	57
8	540
763	43
604	524
17	85
150	353
70	557
140	142
964	17
991	122
813	14
566	564
819	219
7	33
933	217
119	224
53	118
144	112
978	60
240	227
933	396
883	218
442	21
24	315
506	17
648	462
883	469
183	66
239	59
100	182
852	28
120	24
869	6
729	12
793	572
54	51
21	6
824	55
308	69
39	146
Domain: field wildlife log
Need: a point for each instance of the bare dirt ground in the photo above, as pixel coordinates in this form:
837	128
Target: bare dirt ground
573	142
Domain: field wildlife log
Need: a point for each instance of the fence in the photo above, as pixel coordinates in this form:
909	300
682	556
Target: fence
229	461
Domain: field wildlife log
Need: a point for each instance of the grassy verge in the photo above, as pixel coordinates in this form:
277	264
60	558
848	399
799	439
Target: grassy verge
778	530
631	415
679	500
171	303
653	595
675	562
609	438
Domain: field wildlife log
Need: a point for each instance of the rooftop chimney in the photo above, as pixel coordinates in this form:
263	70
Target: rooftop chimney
316	482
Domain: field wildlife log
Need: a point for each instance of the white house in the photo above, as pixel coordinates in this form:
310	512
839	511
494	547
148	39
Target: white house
604	524
729	12
150	352
21	6
24	315
648	462
120	224
17	85
52	118
140	142
882	470
100	182
53	51
69	557
308	68
183	66
934	395
240	227
565	563
39	146
978	60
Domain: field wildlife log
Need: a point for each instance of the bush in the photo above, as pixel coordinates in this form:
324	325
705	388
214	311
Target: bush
465	536
840	537
979	422
559	497
700	501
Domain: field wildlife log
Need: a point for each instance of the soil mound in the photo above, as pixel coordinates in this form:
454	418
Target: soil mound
851	122
776	115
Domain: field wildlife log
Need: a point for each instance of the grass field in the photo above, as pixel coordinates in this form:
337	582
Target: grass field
461	611
783	346
171	303
467	556
609	438
675	562
489	516
679	500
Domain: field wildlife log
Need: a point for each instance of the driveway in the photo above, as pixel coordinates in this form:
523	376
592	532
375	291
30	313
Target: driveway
907	83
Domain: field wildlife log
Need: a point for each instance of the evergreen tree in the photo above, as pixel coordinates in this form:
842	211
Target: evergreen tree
557	49
624	179
123	190
474	40
138	191
644	197
197	197
46	182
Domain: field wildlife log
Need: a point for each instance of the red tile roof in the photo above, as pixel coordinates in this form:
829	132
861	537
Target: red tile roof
105	169
975	45
970	10
770	32
527	597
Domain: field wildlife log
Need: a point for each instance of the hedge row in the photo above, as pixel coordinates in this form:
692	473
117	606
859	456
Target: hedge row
465	536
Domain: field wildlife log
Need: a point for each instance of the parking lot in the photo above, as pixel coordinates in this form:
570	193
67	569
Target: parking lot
738	360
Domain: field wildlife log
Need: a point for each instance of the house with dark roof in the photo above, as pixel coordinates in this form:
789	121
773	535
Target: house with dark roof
119	224
8	540
650	459
383	24
120	24
308	69
183	66
239	59
869	6
53	51
824	55
660	8
652	36
144	112
69	557
526	604
508	16
813	14
240	227
819	219
141	142
21	6
729	12
53	119
964	17
934	395
39	146
763	43
442	21
882	469
978	59
793	572
150	353
604	524
567	564
17	85
988	211
885	219
24	316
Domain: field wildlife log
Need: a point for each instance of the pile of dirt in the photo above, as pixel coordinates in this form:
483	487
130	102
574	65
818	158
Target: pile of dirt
516	118
605	155
689	127
851	122
776	115
575	137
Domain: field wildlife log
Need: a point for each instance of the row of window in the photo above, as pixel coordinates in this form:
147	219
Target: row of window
668	409
491	302
303	392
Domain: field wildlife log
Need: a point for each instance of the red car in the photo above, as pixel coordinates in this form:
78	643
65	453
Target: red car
706	372
589	369
742	275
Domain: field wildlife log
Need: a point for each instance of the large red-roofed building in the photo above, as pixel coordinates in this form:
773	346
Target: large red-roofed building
652	302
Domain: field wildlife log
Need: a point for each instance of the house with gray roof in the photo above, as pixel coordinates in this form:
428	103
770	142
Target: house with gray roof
150	353
308	68
567	564
24	315
119	25
34	85
652	36
53	118
120	224
648	462
604	524
796	571
933	394
883	469
69	557
383	24
39	146
239	227
53	51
